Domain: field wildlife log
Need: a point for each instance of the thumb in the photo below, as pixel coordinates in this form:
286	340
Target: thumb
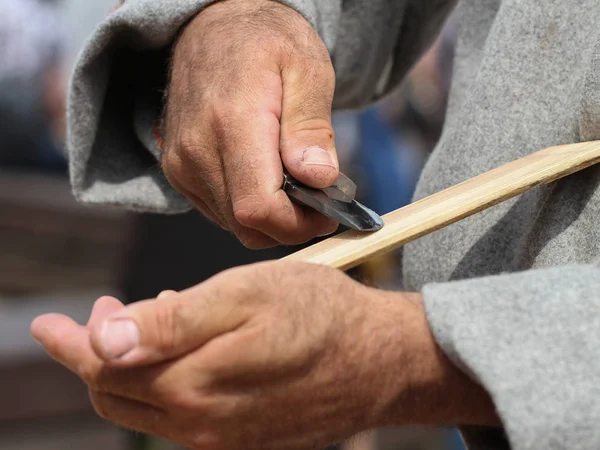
154	331
307	137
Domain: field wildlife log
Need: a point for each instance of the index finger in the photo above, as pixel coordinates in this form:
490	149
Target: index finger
69	344
250	141
66	341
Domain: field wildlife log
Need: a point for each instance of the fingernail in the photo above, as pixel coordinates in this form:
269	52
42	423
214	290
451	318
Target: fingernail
119	337
317	156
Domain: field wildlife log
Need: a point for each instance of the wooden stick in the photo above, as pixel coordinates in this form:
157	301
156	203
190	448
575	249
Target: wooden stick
406	224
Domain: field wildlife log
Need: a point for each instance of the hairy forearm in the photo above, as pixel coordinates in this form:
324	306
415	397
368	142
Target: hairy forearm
419	384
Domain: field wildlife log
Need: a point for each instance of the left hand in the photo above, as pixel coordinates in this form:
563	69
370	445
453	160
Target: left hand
274	355
277	355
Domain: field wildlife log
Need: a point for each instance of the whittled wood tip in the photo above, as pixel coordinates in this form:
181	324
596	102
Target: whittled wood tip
425	216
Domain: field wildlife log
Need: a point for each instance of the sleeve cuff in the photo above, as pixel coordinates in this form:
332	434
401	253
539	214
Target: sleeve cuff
115	100
531	340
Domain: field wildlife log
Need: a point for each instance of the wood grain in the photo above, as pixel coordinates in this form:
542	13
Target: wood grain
352	248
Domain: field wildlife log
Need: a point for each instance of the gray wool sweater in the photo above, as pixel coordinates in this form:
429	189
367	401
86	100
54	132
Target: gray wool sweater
513	293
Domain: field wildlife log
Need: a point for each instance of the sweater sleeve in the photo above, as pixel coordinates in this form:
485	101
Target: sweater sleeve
532	340
116	91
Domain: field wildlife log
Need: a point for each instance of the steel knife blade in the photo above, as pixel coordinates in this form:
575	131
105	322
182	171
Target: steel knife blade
336	202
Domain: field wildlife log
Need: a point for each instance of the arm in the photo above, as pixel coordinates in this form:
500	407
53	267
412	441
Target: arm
116	94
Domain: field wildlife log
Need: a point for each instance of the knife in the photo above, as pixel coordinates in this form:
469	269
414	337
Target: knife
336	202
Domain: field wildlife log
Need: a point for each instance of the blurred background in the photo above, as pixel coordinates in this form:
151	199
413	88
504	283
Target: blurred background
57	255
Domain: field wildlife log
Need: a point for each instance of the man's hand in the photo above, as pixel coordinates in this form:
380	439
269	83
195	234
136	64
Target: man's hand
251	86
274	356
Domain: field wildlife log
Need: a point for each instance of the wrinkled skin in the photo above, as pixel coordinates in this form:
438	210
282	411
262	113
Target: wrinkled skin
251	86
278	355
237	362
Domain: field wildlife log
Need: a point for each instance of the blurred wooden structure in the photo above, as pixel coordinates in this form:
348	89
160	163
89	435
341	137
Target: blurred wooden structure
55	255
49	242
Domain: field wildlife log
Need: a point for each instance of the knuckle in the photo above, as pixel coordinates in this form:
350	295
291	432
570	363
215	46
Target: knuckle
171	164
181	400
227	118
88	374
316	126
193	399
167	325
251	212
188	142
251	241
224	114
100	405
